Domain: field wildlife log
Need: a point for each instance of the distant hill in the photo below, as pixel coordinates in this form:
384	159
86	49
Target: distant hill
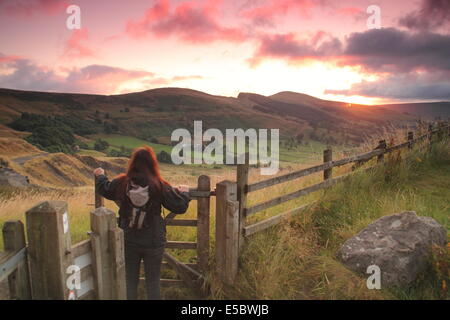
426	110
156	113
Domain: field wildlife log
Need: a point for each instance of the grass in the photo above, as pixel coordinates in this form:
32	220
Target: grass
295	260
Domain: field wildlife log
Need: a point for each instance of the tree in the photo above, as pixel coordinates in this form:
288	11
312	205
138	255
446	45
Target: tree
101	145
164	157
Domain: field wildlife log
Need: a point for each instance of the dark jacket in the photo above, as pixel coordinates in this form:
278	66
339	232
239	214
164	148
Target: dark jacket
154	232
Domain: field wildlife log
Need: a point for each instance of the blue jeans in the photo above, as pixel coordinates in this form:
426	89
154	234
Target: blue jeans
145	245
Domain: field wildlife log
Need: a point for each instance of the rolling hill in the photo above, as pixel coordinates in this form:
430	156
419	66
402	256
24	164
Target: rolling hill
156	113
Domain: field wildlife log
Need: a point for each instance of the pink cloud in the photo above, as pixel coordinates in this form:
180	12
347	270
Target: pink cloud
192	21
264	14
8	59
76	47
292	49
31	7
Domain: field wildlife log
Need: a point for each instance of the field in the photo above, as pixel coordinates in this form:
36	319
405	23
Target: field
295	260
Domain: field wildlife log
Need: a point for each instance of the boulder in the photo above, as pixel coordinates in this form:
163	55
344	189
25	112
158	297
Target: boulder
398	244
9	177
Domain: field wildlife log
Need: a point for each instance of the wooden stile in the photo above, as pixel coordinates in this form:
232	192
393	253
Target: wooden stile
107	248
227	231
14	241
203	216
49	247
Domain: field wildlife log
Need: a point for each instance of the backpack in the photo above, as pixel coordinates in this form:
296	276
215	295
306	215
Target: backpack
139	198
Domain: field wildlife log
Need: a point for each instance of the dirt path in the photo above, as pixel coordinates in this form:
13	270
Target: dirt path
22	160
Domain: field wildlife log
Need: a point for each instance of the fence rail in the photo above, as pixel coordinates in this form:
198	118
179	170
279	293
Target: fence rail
326	167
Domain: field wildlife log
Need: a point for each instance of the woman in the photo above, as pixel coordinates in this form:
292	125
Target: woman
140	194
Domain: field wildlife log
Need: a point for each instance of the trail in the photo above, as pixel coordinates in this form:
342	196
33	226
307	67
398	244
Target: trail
22	160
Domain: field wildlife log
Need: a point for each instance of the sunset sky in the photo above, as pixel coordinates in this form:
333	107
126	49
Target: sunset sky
319	47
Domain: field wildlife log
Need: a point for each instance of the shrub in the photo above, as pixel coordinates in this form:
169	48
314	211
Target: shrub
164	157
101	145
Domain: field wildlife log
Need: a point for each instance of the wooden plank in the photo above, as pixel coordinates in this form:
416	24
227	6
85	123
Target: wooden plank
263	225
381	146
242	184
203	216
49	247
96	265
86	287
190	276
9	261
194	266
227	231
327	158
166	283
182	268
293	195
86	273
81	248
181	245
102	221
410	140
181	222
99	201
197	193
90	295
83	260
14	240
397	147
117	249
307	171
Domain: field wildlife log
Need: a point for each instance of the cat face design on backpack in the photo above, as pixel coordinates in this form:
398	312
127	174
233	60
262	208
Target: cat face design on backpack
139	198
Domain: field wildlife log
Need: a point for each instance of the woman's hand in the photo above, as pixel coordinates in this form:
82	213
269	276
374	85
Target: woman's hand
183	188
98	172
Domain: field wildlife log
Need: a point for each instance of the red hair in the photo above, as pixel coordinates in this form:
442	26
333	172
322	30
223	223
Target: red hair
143	169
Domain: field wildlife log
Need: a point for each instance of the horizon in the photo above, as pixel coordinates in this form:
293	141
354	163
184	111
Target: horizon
234	97
355	52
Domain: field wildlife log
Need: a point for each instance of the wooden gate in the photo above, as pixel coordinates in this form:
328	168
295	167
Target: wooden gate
190	273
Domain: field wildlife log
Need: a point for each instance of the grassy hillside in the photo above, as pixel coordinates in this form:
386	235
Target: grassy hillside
295	260
154	114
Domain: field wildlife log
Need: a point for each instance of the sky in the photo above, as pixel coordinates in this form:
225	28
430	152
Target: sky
358	51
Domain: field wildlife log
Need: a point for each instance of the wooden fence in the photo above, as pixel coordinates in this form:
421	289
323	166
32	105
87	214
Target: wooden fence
46	266
232	209
50	267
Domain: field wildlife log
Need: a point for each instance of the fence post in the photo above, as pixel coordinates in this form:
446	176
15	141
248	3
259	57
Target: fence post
327	157
448	126
19	280
227	231
49	246
203	211
242	182
381	145
99	201
430	135
410	139
108	255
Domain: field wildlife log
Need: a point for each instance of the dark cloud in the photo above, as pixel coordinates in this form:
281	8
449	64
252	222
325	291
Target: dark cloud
375	50
393	50
434	87
433	14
